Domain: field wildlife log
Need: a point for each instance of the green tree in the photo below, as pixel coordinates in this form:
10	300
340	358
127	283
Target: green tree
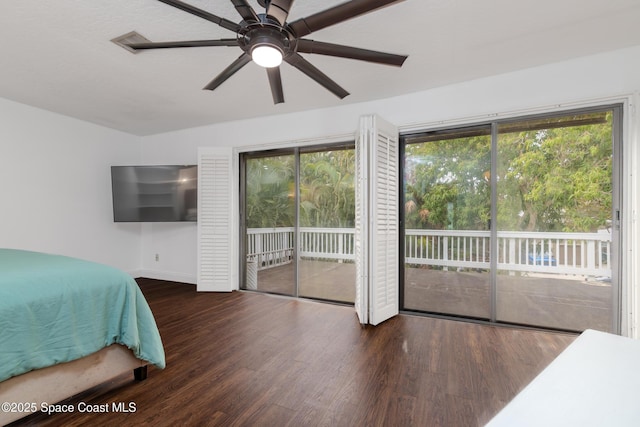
447	183
557	178
327	194
269	192
553	175
327	197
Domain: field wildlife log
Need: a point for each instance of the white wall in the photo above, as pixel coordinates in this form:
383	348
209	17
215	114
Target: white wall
55	187
604	78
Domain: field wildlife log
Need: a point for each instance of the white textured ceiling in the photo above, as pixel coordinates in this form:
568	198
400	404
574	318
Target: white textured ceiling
57	54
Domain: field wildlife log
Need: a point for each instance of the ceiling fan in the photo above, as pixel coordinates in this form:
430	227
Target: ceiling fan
268	39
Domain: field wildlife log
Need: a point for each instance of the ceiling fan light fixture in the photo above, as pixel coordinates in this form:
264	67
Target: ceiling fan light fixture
266	55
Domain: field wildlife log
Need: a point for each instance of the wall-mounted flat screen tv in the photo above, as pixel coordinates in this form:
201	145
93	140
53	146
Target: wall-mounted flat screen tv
161	193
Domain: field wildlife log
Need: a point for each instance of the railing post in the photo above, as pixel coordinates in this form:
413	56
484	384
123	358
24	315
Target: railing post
591	255
512	254
252	274
259	250
445	249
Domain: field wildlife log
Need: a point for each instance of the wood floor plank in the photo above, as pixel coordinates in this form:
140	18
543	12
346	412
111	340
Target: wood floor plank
248	359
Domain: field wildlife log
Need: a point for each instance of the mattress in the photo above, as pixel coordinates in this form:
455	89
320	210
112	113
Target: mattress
56	309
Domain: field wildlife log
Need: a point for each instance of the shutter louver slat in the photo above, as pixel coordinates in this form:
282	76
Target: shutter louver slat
214	221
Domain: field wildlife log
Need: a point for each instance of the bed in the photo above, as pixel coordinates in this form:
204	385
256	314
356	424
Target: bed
67	325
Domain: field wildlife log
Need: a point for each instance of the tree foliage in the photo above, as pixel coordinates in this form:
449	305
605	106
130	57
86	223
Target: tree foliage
270	192
447	184
326	198
556	179
327	194
552	176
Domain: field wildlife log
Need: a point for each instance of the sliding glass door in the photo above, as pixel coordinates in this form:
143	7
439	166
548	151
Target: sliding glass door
326	268
298	209
270	219
447	212
517	221
555	224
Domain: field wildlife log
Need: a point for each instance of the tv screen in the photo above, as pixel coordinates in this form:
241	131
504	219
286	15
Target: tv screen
163	193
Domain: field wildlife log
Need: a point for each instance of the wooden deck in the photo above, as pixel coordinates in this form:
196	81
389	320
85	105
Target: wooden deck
321	280
538	301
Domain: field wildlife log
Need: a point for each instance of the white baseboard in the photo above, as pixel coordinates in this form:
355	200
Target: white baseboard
166	275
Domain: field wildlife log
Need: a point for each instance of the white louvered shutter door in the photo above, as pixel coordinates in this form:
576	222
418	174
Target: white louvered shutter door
377	223
215	220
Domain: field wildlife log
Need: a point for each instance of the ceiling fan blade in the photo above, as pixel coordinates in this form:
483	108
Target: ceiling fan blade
245	10
275	81
322	48
186	43
335	15
305	66
279	10
224	23
235	66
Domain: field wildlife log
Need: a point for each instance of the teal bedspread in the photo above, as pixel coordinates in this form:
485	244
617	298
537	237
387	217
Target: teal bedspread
57	309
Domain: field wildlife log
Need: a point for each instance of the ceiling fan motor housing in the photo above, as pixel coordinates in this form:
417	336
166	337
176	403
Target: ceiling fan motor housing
265	37
266	33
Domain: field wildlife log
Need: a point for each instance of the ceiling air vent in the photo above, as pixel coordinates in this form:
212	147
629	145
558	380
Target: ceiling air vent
129	38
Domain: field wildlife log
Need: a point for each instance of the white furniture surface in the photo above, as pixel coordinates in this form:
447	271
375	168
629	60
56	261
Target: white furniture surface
594	382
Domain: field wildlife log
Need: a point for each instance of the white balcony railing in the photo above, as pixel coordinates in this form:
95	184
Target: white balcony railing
270	247
585	254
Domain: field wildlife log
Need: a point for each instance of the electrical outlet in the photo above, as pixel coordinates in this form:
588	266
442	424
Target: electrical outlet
157	257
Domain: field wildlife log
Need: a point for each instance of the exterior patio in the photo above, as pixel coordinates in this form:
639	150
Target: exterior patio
555	280
538	301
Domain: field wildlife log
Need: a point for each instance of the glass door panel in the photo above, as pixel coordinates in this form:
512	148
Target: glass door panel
270	213
326	268
447	212
554	222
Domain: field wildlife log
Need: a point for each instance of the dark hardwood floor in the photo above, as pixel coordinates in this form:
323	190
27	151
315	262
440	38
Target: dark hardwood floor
248	359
